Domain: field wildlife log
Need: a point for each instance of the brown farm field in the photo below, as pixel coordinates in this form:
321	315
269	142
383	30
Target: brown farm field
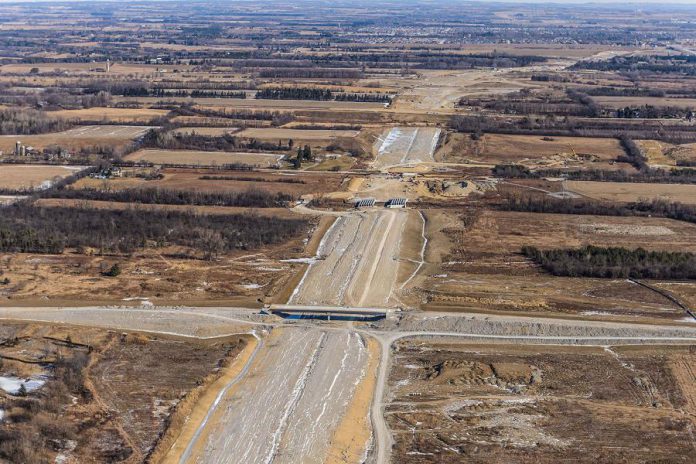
79	137
295	184
296	134
621	102
453	402
532	151
112	115
252	103
203	158
629	192
169	275
207	131
20	176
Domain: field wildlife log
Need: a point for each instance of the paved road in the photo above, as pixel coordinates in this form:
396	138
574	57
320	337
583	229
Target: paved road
359	259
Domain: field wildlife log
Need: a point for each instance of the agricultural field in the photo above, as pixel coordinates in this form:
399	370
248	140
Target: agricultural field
110	115
628	192
30	177
203	158
533	151
77	138
620	102
209	131
210	180
296	134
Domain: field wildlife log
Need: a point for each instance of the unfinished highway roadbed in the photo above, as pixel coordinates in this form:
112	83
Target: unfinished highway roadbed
357	262
290	404
406	145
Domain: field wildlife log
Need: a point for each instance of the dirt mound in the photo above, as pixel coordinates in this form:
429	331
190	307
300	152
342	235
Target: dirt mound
458	372
467	372
448	188
514	372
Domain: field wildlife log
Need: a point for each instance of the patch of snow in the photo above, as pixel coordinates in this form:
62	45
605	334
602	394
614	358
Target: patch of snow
12	385
252	286
597	313
63	457
393	135
518	401
300	260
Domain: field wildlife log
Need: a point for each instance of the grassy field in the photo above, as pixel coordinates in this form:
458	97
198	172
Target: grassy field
510	231
465	272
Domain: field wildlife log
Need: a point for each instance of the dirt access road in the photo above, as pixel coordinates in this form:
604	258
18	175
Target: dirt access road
357	262
406	145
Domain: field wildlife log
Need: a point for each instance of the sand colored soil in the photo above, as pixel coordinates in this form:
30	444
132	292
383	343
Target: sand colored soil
193	410
352	435
111	114
629	192
19	176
